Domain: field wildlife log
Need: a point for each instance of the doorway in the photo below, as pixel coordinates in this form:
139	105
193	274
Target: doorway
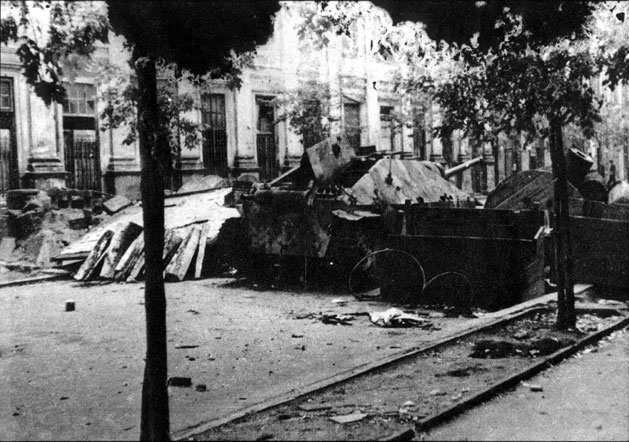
265	139
9	178
81	153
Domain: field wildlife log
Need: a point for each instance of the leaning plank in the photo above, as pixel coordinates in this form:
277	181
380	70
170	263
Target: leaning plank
94	257
130	257
205	229
135	272
172	240
119	244
180	263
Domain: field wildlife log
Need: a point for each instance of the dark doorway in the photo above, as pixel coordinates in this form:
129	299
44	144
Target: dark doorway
386	128
352	123
82	155
214	134
265	139
9	178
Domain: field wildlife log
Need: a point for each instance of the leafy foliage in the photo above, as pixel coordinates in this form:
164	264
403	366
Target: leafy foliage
458	22
200	37
73	32
308	111
519	87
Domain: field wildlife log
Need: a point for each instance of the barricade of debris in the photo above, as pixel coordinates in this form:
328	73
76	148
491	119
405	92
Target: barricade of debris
599	218
36	224
193	218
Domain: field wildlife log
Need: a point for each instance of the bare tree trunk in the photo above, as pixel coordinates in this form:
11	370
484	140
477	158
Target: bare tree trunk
563	249
155	415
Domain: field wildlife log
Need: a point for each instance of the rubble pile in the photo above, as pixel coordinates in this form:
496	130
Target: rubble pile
38	224
115	250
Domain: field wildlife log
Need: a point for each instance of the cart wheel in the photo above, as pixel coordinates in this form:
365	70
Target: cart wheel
448	288
398	274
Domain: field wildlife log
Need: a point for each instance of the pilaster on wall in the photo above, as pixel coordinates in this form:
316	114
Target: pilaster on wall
44	157
501	163
464	179
488	183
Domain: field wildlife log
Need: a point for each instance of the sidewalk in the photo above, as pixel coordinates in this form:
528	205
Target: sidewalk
584	398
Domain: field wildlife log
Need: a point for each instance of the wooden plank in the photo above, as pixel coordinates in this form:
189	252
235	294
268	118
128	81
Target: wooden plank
171	241
135	272
130	257
7	245
118	245
205	229
179	264
116	204
95	257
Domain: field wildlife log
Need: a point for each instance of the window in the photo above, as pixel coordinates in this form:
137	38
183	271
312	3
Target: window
213	111
265	115
352	123
6	95
214	133
81	100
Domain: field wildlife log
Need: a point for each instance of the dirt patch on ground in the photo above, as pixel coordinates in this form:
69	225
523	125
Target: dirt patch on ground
387	401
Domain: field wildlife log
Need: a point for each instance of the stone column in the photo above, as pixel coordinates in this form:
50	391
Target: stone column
501	162
45	167
436	153
488	182
245	130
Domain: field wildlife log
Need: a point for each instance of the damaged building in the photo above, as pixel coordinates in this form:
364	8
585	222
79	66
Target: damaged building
63	145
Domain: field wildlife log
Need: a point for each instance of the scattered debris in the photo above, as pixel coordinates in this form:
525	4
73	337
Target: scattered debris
463	371
521	334
339	302
437	392
394	317
330	318
116	204
177	381
407	408
313	407
205	183
491	348
348	418
70	306
296	336
532	387
494	348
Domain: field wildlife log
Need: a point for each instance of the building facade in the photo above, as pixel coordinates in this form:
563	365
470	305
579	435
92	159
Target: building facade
63	145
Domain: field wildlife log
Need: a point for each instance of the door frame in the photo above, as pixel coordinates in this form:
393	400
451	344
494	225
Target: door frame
258	98
8	121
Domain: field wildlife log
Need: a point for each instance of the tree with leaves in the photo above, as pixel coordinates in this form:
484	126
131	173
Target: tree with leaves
201	38
537	89
307	109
